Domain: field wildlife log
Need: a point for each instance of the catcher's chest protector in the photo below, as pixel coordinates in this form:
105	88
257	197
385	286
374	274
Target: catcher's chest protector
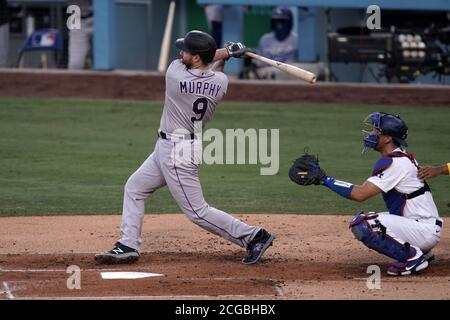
396	201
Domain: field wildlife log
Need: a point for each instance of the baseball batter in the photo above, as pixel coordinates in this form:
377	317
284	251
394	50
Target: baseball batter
192	94
411	228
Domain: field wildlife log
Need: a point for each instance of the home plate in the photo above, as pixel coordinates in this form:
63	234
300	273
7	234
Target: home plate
129	275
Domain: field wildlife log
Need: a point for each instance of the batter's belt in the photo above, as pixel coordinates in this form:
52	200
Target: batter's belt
165	136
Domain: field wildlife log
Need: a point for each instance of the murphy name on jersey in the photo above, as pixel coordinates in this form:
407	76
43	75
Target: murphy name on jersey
200	88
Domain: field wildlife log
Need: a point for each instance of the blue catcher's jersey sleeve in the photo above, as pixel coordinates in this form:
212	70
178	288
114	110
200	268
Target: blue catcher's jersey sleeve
386	174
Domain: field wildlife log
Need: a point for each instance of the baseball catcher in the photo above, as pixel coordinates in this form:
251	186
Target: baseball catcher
411	228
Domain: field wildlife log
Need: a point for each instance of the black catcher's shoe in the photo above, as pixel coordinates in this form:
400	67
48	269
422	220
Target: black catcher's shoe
258	246
119	254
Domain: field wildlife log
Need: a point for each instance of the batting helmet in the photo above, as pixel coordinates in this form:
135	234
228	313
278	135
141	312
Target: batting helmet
387	124
198	42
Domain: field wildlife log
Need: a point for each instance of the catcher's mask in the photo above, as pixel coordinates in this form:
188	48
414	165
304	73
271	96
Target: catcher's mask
387	124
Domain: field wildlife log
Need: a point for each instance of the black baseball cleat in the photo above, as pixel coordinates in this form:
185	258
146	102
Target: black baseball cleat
119	254
258	246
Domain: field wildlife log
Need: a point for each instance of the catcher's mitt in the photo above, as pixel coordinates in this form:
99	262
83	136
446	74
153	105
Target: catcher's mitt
306	171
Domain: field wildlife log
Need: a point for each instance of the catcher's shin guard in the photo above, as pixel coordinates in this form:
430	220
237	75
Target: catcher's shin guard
373	235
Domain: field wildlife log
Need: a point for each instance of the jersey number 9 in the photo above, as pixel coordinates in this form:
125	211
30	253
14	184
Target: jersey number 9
199	107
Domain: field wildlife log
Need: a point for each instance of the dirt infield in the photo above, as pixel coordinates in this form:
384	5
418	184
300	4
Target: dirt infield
313	257
151	86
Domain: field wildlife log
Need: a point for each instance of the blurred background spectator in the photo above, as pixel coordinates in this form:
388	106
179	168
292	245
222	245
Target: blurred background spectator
214	16
80	41
4	34
282	43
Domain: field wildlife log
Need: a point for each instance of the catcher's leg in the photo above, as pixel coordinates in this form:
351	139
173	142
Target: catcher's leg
369	229
424	235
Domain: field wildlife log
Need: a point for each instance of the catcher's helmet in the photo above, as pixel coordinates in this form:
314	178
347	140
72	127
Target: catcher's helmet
198	42
387	124
282	14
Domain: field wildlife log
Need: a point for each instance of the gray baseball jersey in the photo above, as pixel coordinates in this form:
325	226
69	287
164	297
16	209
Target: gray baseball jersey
191	95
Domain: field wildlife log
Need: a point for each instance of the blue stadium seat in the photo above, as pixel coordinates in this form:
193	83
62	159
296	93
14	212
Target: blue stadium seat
43	40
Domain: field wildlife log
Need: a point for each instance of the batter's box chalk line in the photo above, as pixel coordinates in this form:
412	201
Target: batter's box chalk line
54	270
279	291
7	291
174	297
129	275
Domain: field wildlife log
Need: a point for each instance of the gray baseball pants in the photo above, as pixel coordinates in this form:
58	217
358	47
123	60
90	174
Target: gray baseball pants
162	168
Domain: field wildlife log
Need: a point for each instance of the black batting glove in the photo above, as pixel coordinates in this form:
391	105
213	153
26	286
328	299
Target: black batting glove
235	49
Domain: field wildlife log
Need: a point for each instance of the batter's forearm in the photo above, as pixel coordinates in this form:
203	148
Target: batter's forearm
446	168
221	54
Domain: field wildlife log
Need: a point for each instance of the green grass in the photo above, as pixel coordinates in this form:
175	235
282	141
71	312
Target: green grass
74	156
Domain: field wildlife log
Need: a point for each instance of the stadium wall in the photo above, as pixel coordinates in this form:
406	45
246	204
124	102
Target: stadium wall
150	86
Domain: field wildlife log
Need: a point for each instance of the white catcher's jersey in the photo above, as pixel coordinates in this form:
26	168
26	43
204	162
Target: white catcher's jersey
191	95
401	176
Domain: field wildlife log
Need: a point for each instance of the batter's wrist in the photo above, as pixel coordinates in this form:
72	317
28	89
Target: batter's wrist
221	54
446	169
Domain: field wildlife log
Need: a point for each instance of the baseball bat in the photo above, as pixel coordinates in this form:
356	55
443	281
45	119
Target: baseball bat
289	69
165	46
